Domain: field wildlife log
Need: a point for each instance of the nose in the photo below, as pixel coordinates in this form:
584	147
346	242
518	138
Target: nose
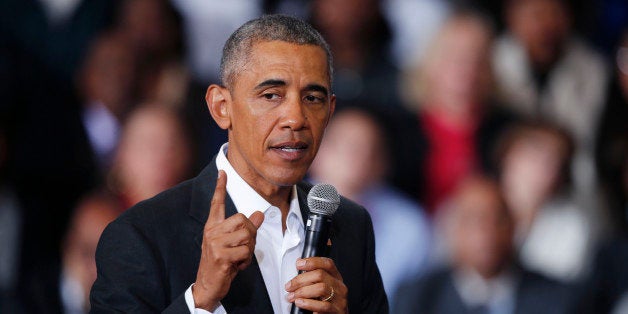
294	116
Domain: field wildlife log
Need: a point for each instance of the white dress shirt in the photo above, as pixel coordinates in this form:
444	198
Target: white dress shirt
497	295
276	252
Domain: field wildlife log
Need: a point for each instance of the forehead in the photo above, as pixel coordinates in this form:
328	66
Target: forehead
286	61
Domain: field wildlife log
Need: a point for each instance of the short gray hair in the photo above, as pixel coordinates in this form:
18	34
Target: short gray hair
267	28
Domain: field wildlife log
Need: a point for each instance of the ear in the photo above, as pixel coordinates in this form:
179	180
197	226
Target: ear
218	102
332	107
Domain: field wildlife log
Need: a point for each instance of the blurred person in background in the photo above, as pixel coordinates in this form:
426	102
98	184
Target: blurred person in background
151	28
414	23
359	37
64	288
484	276
153	31
154	154
451	89
50	163
554	234
354	157
612	140
108	84
545	70
607	288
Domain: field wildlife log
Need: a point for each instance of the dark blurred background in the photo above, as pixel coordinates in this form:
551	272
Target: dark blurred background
488	140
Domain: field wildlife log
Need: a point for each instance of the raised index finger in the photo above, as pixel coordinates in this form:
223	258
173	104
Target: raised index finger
217	207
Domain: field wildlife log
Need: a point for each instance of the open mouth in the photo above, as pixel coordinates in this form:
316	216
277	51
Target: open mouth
290	150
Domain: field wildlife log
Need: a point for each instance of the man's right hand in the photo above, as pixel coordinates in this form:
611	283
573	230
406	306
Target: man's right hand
228	246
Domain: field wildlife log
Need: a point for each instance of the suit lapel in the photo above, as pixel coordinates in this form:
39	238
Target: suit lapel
248	291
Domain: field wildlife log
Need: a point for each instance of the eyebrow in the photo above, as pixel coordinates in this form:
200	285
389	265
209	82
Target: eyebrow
317	88
279	82
270	82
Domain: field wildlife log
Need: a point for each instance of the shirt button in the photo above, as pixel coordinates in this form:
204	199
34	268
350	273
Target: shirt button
273	214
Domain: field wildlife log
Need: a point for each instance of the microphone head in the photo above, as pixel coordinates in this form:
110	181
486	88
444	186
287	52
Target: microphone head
323	199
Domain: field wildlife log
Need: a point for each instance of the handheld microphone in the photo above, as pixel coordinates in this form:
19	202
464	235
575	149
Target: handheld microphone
323	201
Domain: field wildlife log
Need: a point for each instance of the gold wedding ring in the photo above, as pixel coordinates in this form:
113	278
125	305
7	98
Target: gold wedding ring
331	296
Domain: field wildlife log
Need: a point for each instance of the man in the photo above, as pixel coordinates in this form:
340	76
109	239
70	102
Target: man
171	254
483	277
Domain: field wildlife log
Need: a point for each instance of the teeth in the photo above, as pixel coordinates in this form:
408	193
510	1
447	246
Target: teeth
289	149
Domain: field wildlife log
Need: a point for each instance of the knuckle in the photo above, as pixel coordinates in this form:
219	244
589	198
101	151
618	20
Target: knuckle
322	289
318	275
328	263
327	307
343	289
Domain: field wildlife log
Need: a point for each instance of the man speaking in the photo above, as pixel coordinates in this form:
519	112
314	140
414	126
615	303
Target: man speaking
230	239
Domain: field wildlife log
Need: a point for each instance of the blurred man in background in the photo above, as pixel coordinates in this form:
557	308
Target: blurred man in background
484	276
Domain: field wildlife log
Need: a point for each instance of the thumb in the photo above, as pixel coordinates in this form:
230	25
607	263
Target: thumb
257	218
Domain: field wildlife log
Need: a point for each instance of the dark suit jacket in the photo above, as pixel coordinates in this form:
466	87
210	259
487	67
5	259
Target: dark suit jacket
435	293
149	256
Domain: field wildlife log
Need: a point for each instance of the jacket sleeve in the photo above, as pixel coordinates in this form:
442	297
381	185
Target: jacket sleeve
375	300
131	275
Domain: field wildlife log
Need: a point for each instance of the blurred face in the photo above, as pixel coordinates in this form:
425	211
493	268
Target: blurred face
350	157
147	25
531	172
542	26
276	113
331	16
483	230
110	75
80	248
153	154
459	74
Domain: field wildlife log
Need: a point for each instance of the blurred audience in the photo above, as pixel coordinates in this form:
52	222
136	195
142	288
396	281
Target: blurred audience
612	141
107	82
414	23
153	31
554	234
544	70
207	24
452	89
484	276
72	72
65	288
363	70
154	154
151	28
354	157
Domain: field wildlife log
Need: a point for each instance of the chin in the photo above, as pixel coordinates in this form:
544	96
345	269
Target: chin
286	176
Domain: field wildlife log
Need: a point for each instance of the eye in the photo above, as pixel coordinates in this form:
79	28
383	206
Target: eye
314	99
271	96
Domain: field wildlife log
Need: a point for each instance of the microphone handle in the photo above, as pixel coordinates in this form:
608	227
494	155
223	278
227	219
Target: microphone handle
316	236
